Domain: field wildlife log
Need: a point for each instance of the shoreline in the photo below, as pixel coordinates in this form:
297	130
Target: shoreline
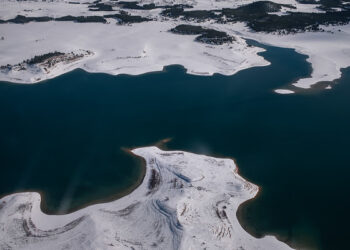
139	58
326	61
251	229
148	46
321	62
142	166
125	192
156	71
178	185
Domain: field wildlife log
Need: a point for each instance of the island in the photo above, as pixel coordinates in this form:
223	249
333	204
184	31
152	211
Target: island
186	201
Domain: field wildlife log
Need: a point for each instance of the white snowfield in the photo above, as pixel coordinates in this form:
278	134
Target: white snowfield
12	8
148	46
186	201
119	49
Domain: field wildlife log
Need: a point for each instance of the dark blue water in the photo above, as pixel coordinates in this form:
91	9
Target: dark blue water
64	138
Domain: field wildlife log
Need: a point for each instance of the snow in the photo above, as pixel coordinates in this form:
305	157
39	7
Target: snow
186	201
284	91
328	51
193	203
219	4
120	49
43	8
145	47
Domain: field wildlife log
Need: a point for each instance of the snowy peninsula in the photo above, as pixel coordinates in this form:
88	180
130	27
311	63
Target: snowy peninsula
186	201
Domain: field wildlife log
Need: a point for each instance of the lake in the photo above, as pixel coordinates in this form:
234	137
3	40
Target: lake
65	138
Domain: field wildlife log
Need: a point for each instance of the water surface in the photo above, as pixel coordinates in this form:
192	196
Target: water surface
63	137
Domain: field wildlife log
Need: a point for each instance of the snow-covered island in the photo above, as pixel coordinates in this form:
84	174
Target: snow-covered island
135	37
186	201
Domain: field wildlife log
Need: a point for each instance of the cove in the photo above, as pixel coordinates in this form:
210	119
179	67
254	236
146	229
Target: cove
64	138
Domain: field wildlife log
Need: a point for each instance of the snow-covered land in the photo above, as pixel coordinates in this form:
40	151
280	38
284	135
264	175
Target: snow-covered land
118	49
328	51
138	47
186	201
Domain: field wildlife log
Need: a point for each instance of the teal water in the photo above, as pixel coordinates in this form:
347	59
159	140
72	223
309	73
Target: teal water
63	137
